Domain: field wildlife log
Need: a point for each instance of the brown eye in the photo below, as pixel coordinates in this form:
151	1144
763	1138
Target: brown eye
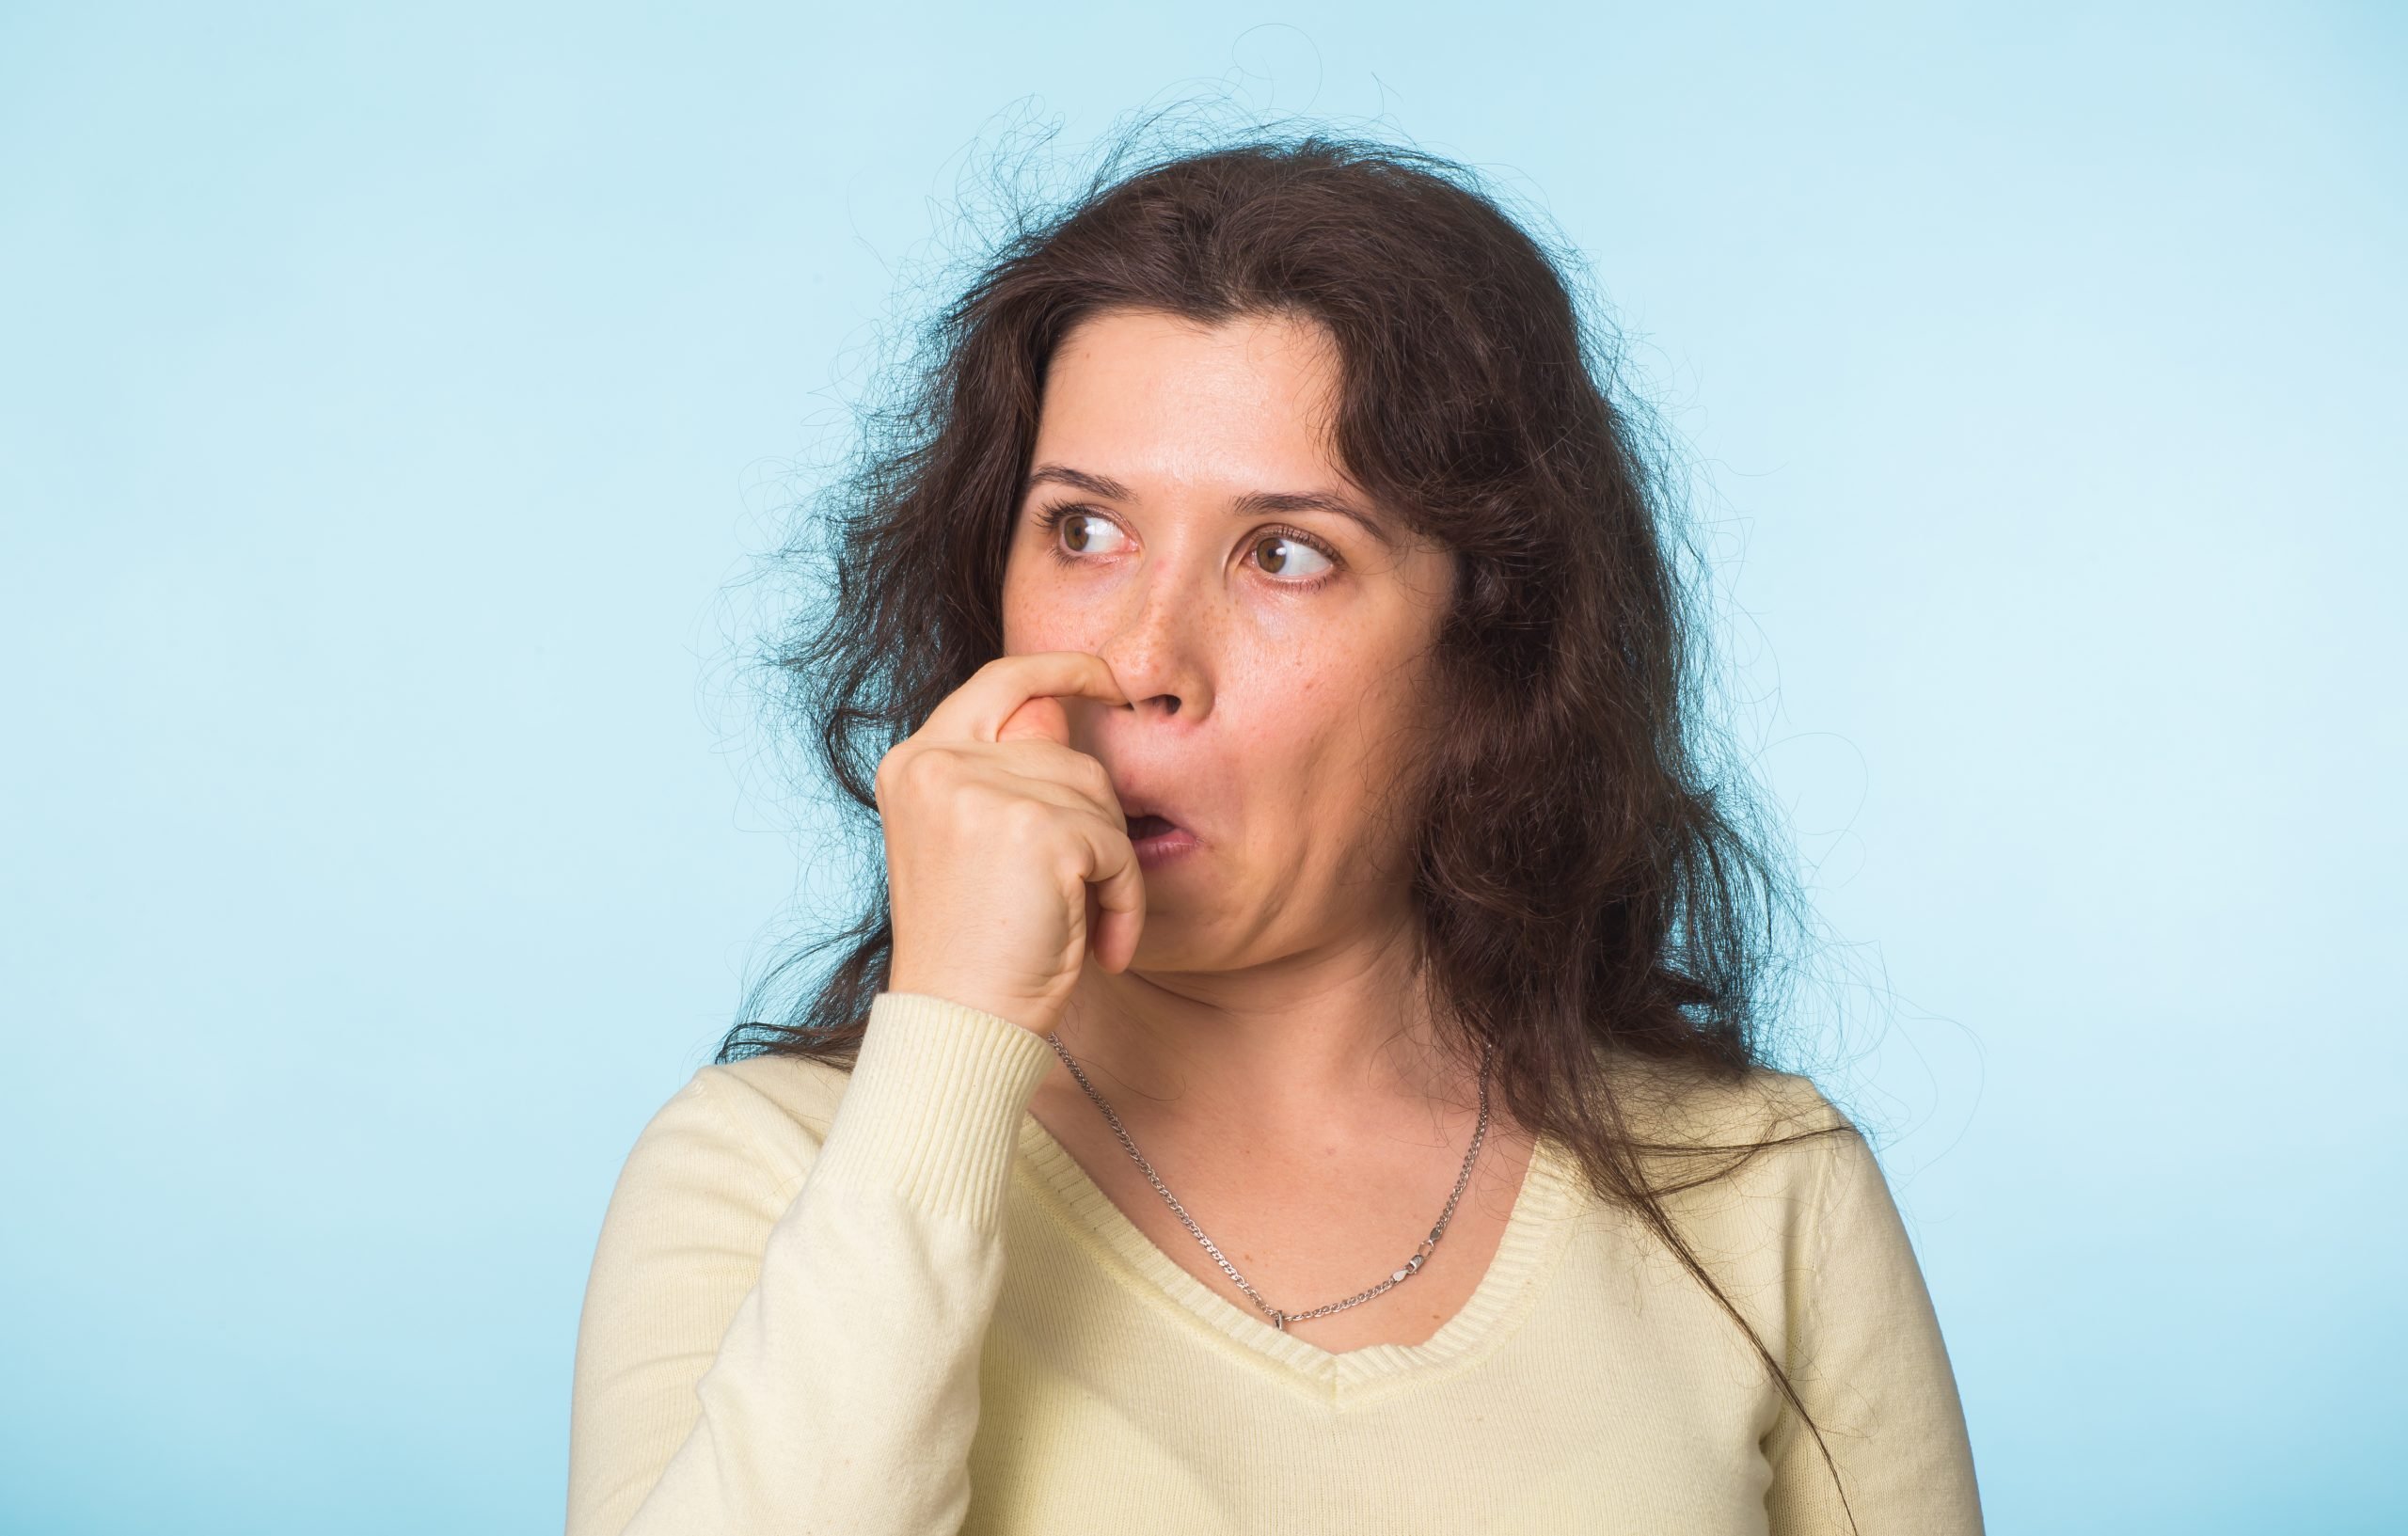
1284	557
1077	533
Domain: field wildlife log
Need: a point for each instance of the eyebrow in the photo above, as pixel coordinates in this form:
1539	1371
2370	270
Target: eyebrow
1253	504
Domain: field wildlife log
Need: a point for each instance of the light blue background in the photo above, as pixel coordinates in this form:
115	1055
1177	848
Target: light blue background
391	402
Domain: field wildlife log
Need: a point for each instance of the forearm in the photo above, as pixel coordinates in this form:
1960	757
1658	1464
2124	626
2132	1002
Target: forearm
842	1394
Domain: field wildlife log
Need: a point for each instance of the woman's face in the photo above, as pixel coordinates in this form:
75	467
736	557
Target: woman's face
1185	518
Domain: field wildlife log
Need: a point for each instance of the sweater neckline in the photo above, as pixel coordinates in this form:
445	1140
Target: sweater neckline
1535	1231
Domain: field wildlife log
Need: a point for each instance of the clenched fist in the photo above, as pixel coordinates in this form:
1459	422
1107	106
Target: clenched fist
1007	850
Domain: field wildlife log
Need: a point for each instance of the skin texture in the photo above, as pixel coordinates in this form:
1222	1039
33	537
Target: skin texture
1265	1046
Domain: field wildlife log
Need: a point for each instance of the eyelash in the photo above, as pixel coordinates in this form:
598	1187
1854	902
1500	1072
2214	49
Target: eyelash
1051	519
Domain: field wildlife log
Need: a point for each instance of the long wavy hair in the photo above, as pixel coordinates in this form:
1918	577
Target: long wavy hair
1595	882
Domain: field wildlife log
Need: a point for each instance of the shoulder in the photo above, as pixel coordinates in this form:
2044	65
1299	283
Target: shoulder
1761	1171
1717	1142
1678	1105
769	1114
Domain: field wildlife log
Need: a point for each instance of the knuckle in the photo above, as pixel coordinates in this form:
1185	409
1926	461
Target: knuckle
929	768
913	772
891	766
1027	822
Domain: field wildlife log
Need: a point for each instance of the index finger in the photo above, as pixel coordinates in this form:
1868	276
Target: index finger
977	710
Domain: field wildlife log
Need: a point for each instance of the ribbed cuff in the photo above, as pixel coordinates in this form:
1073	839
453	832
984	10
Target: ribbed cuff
933	1108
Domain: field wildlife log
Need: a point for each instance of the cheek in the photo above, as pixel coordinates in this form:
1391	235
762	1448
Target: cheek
1340	726
1295	728
1036	618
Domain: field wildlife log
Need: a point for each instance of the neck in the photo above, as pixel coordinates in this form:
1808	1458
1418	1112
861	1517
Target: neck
1321	1041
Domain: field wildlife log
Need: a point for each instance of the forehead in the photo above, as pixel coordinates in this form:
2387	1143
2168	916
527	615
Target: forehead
1157	394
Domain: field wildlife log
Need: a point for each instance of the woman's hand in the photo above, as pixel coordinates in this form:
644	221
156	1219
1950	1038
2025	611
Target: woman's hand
1006	849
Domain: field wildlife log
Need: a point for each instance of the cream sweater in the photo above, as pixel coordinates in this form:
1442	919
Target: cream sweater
889	1301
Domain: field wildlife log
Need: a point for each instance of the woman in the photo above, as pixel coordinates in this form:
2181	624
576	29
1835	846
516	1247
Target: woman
1299	1073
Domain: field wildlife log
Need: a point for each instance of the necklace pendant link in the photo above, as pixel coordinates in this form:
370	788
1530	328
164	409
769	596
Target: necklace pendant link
1280	1319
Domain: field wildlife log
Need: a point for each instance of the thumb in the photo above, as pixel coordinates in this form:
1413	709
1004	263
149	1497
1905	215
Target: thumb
1042	717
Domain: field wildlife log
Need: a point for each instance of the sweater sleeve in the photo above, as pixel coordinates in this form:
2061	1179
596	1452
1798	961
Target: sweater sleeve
1865	1354
744	1369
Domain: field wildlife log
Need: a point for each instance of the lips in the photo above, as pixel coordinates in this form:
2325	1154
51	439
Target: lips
1149	817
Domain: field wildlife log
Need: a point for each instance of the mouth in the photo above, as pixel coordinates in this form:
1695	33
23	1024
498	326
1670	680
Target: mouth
1157	839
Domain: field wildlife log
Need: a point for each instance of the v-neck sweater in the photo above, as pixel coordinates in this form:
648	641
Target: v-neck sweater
887	1300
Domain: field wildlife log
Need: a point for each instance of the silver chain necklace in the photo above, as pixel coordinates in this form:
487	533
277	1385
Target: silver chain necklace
1281	1319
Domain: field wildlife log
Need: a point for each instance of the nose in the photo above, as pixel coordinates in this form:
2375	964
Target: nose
1157	648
